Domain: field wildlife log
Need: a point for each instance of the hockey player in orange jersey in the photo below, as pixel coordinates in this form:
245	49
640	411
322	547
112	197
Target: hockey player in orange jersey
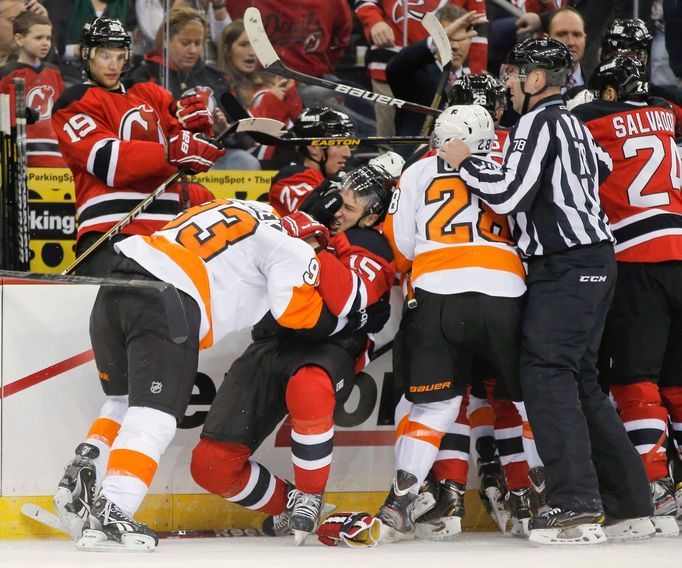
465	269
231	262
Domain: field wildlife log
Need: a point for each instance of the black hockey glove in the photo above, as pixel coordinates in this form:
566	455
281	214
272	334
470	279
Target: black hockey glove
322	202
372	319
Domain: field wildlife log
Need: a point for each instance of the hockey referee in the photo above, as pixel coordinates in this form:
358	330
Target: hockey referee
548	184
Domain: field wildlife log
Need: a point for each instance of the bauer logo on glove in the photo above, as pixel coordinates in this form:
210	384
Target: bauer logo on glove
350	529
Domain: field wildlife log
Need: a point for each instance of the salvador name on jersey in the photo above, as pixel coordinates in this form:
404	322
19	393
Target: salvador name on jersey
642	195
43	86
454	242
115	144
235	260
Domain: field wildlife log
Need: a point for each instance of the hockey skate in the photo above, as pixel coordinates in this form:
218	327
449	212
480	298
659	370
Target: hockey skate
665	507
278	525
620	530
537	480
396	512
112	530
427	496
305	516
444	521
76	490
492	492
522	505
559	526
678	500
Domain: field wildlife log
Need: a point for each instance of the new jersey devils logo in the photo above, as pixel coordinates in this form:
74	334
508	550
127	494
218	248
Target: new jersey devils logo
398	12
141	123
41	99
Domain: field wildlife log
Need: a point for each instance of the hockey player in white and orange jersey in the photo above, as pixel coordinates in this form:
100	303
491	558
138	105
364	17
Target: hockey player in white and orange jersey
231	262
500	435
467	277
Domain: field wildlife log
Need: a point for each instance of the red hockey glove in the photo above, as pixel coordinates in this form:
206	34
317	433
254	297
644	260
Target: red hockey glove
192	113
193	151
351	529
302	226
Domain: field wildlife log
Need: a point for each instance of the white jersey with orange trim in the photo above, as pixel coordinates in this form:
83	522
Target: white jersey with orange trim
452	240
235	260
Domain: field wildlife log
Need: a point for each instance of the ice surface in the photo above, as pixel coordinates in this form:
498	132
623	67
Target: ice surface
472	550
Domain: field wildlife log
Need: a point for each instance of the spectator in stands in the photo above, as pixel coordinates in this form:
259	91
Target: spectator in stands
567	25
414	73
262	93
387	31
596	17
150	15
9	10
85	10
43	86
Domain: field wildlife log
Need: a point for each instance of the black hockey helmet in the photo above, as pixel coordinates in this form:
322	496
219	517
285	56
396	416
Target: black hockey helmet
627	76
322	122
626	36
104	32
483	89
374	185
549	54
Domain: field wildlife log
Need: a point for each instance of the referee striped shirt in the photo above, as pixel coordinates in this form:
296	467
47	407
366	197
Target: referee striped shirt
548	183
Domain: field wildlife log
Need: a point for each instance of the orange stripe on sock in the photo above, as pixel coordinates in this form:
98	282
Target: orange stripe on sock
402	425
423	433
483	416
133	464
105	430
527	432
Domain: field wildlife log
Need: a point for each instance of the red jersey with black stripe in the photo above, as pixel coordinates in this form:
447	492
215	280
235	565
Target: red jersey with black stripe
642	195
358	273
44	85
114	142
291	186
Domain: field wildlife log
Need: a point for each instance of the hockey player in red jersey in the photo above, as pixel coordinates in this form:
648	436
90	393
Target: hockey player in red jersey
284	372
293	183
122	144
44	85
231	262
642	344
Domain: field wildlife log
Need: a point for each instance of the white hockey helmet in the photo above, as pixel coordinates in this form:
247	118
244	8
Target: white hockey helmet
392	162
470	123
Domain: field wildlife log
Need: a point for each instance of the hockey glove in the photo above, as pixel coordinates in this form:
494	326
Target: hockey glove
193	151
192	113
322	202
350	529
372	319
302	226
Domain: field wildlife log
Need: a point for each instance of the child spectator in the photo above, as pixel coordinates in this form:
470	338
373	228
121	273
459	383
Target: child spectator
44	85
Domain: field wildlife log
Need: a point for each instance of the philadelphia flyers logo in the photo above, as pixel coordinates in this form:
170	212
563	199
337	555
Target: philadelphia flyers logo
141	123
41	99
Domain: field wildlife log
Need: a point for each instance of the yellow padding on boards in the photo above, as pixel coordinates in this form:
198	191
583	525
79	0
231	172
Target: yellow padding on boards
208	512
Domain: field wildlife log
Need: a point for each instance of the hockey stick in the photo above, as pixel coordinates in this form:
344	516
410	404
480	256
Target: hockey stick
49	519
175	312
442	42
231	104
233	107
247	126
268	57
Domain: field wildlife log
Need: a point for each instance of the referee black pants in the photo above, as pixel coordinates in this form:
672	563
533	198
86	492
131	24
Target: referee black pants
590	464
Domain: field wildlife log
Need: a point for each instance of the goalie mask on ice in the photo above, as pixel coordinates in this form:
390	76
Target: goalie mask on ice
470	123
